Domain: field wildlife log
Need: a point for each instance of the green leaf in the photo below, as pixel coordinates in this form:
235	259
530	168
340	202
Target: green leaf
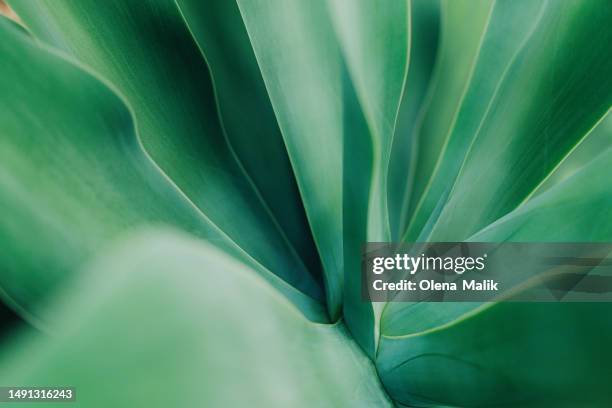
470	354
581	197
73	175
596	142
460	354
512	354
555	90
564	213
374	41
460	44
424	41
248	118
349	95
143	328
147	51
299	60
497	51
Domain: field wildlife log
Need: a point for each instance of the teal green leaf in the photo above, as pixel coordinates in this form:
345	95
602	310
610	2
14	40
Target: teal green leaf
554	92
581	198
470	354
255	145
596	142
510	354
374	42
468	371
307	100
455	63
248	118
496	51
73	175
343	91
142	329
147	51
424	41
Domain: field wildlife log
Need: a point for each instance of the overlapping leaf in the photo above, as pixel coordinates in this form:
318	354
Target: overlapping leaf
337	122
73	175
554	91
506	132
424	46
596	142
455	64
473	354
374	41
147	51
504	138
299	61
248	118
517	145
147	326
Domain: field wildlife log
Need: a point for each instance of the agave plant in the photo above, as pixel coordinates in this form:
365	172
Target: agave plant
185	187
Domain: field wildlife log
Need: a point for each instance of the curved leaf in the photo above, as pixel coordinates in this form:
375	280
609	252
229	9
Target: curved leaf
581	198
596	142
299	62
142	328
584	196
424	39
73	175
513	354
332	101
473	354
374	41
509	28
460	44
147	51
247	116
497	51
554	92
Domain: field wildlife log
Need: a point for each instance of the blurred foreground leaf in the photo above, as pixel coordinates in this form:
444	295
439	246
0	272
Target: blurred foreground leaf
166	320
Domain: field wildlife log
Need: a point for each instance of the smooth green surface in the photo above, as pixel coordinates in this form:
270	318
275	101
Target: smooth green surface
454	67
578	198
338	110
597	141
581	198
513	354
165	320
307	101
509	27
146	50
424	47
248	118
516	143
374	41
556	89
278	136
497	52
518	354
73	175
